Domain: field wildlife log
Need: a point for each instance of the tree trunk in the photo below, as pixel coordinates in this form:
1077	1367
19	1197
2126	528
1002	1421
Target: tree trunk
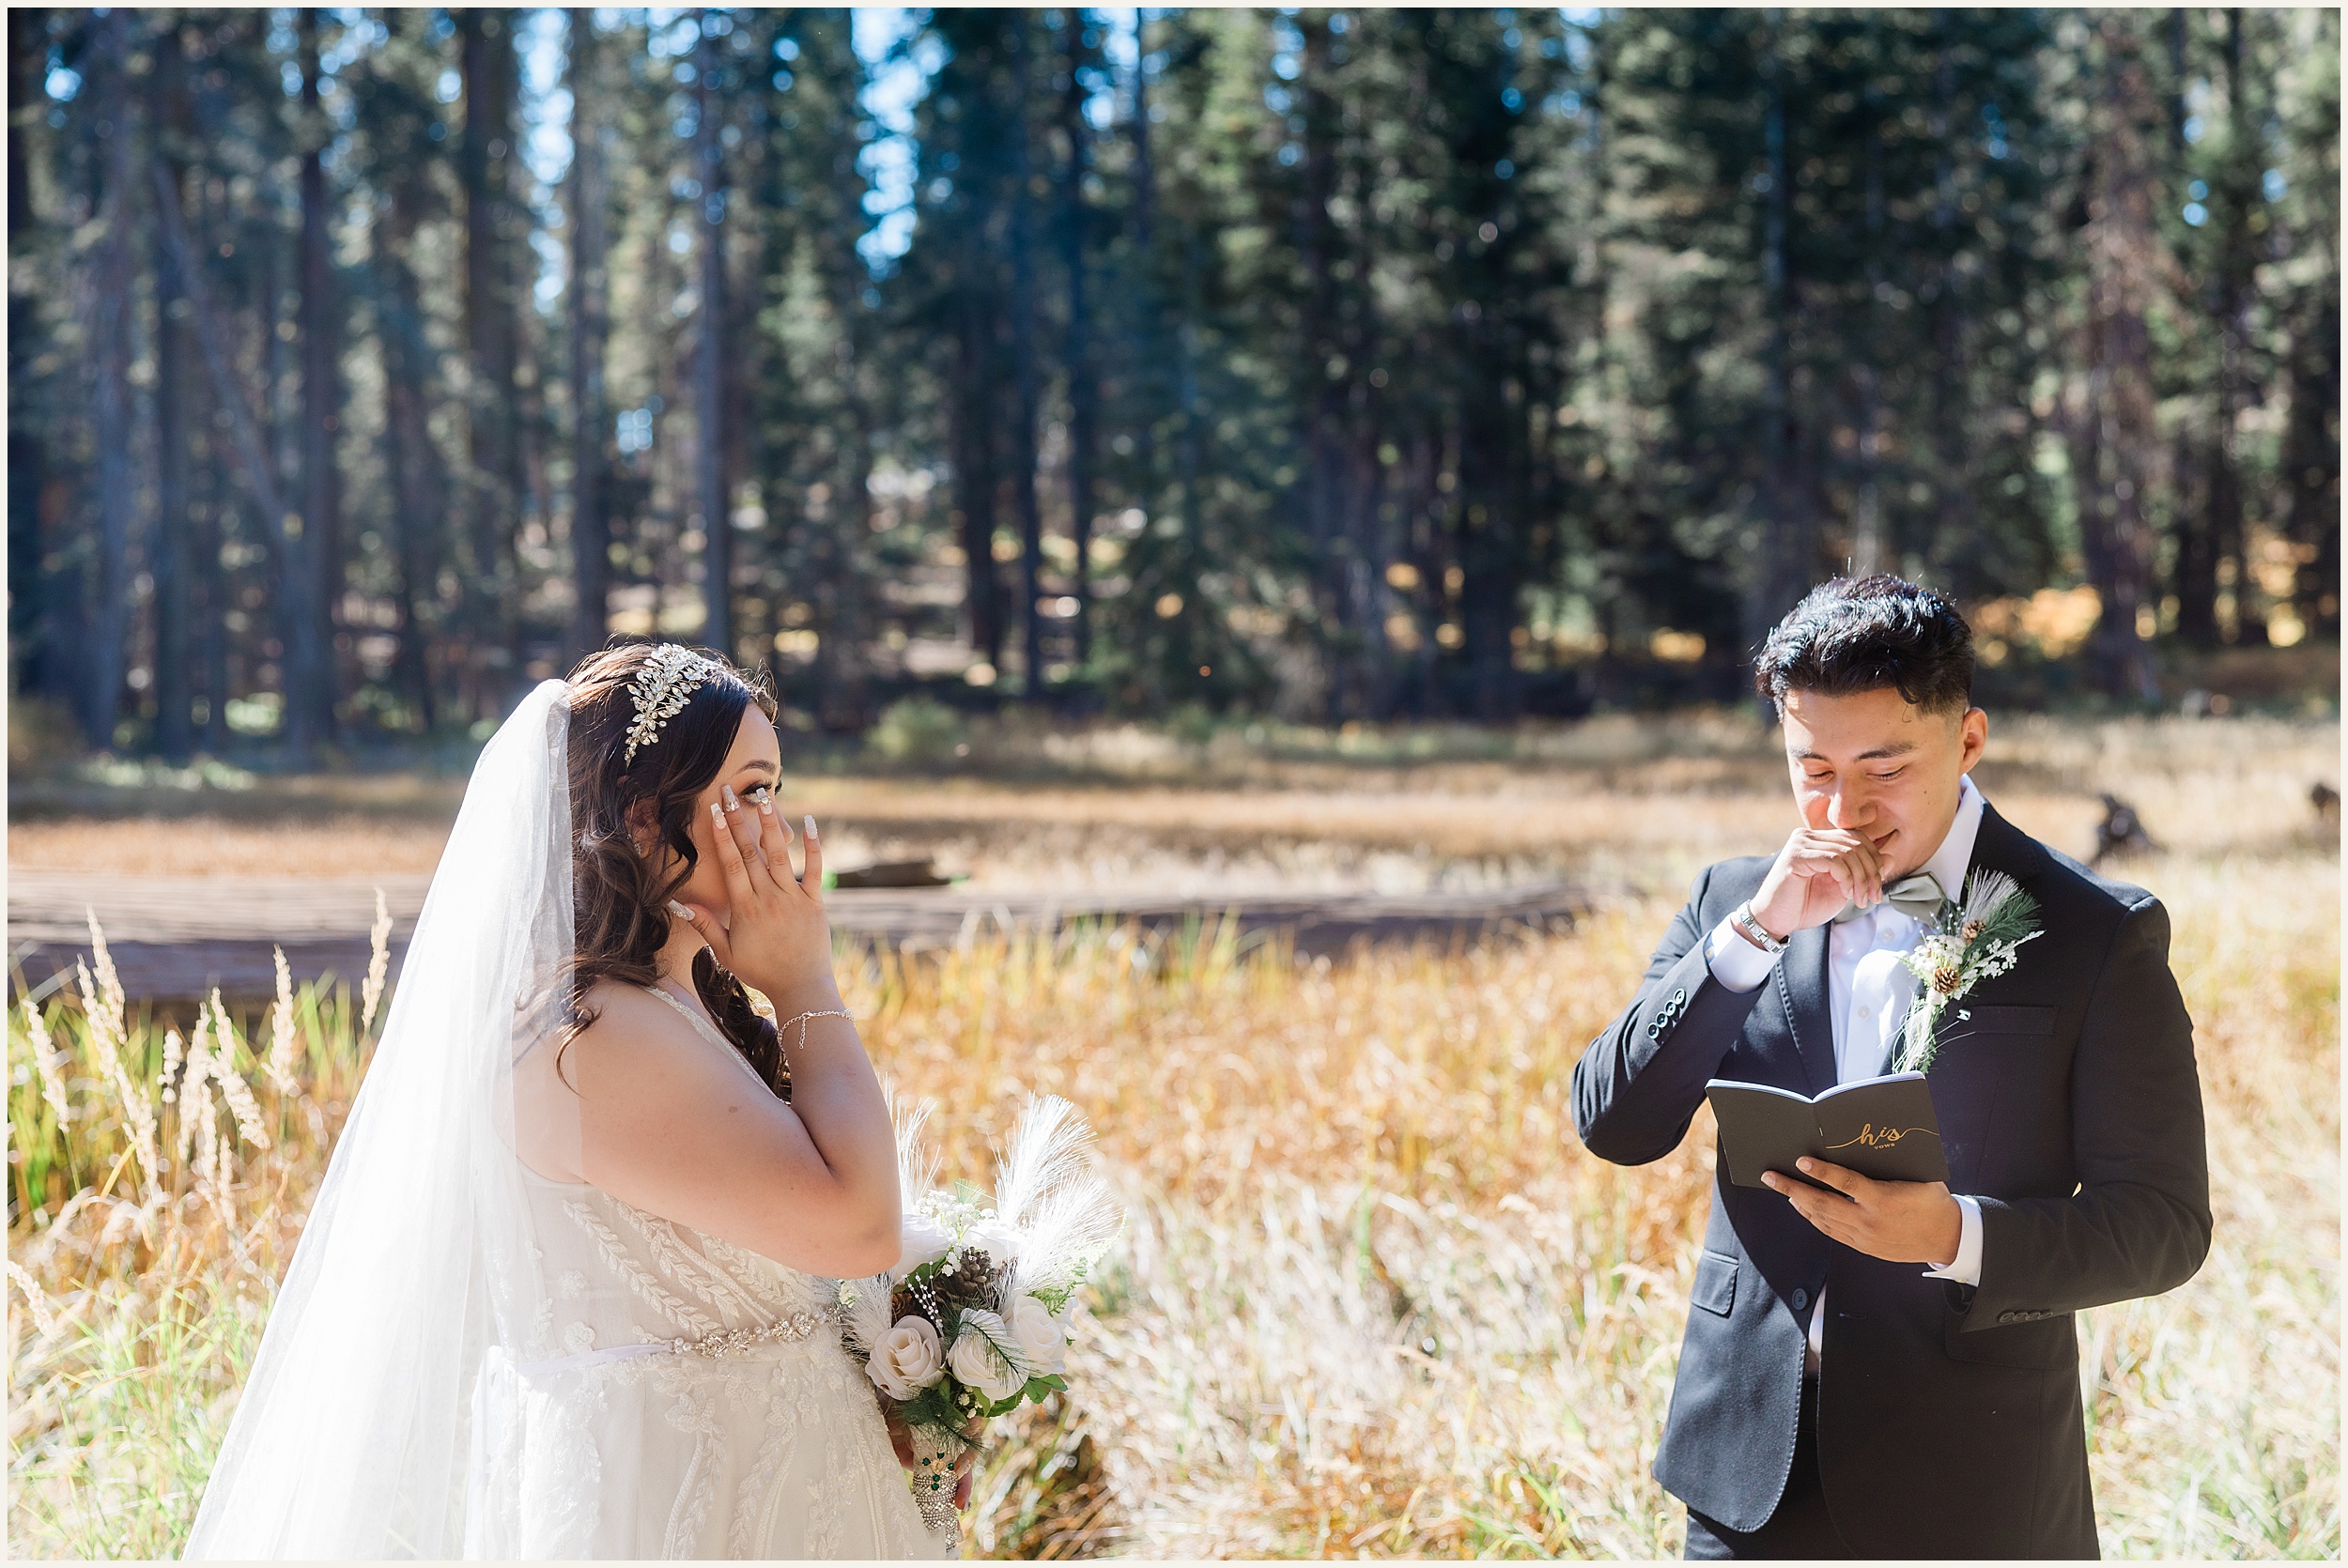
39	608
1867	554
1192	459
2311	462
2180	108
2193	568
1023	332
1789	545
973	443
409	456
1322	368
2114	435
1152	312
2310	442
418	484
844	663
1084	392
174	662
247	440
841	707
591	530
710	381
1493	522
1957	519
310	678
1145	174
2236	200
486	59
111	304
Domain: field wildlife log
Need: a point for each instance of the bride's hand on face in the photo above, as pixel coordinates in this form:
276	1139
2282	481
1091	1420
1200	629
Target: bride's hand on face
775	934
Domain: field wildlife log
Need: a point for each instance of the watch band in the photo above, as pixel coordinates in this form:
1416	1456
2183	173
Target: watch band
1746	921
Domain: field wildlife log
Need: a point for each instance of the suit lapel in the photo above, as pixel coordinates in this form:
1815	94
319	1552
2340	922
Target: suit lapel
1967	1084
2000	846
1801	986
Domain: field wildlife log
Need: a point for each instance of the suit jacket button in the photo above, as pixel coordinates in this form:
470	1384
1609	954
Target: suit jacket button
1800	1299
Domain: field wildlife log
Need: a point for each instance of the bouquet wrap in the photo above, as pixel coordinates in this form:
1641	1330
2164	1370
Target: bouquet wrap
934	1483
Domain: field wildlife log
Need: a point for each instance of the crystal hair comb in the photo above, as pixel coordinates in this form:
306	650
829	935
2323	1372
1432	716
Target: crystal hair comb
660	690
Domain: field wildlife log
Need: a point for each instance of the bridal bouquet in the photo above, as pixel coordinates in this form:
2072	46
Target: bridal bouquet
974	1318
1975	939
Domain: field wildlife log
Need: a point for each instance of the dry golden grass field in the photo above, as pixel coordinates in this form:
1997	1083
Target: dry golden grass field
1374	1299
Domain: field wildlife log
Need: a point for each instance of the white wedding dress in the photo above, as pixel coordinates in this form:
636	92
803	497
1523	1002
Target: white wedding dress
469	1359
761	1438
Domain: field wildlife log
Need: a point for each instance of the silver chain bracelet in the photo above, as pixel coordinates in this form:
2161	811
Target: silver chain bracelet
802	1020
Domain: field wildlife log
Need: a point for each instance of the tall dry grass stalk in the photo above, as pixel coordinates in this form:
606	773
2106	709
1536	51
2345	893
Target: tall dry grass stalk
283	1041
1374	1298
378	963
47	1061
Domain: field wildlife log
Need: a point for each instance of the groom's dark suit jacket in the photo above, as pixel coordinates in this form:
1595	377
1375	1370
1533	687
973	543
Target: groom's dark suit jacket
1949	1417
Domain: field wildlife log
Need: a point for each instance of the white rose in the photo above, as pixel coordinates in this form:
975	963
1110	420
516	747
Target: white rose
910	1358
975	1361
924	1239
996	1238
1037	1338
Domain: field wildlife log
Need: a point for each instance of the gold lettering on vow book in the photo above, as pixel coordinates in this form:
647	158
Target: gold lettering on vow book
1873	1137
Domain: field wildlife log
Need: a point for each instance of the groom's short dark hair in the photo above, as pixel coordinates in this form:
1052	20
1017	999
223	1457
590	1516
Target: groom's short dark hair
1863	633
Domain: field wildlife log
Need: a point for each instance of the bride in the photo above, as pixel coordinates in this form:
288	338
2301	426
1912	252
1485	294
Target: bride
567	1289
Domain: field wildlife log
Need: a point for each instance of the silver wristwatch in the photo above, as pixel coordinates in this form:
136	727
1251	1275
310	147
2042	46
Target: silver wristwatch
1746	921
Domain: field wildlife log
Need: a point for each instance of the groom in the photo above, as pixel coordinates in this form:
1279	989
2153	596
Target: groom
1883	1368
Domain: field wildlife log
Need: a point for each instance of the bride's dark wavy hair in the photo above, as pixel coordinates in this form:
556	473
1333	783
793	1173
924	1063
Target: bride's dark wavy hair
620	906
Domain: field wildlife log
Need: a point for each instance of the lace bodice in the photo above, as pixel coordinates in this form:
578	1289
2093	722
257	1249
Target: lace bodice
712	1377
623	1277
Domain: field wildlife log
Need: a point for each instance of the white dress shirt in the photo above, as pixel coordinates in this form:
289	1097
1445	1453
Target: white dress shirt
1868	991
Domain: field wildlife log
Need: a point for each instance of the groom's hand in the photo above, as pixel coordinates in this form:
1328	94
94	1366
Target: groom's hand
1899	1221
1816	872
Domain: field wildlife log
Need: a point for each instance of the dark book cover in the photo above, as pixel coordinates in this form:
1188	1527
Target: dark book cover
1883	1128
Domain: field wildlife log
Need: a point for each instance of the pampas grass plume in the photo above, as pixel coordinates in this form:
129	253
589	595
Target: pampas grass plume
283	1039
378	963
45	1058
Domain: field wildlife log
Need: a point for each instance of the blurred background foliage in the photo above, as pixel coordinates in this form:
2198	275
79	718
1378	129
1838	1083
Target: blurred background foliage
367	364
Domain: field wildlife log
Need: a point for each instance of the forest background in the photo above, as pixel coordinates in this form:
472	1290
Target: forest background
366	364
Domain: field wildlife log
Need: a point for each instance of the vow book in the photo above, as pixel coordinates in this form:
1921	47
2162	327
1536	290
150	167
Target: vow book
1883	1128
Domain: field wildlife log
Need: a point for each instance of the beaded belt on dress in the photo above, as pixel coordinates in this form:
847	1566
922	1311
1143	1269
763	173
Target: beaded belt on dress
717	1346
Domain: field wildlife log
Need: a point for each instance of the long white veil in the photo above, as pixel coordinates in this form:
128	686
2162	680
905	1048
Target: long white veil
353	1434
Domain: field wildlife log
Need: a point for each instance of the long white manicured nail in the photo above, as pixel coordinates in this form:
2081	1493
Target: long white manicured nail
811	825
727	790
680	910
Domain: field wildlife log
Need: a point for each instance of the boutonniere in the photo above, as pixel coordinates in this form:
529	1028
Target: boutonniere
1975	938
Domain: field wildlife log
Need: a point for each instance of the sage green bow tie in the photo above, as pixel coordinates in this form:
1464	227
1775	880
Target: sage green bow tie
1917	897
